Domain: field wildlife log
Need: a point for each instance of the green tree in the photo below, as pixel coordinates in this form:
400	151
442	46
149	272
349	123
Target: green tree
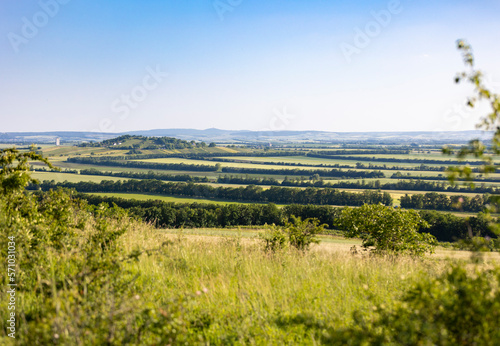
386	230
15	169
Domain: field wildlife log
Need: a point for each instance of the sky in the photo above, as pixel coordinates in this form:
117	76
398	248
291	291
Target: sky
342	66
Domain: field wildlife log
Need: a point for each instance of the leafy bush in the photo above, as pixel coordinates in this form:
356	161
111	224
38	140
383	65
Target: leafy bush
387	230
73	284
274	238
299	233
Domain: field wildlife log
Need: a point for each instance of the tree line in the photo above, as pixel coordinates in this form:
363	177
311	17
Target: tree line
393	159
145	175
437	201
371	151
412	185
200	155
331	173
334	173
251	193
398	175
53	170
359	165
96	161
444	226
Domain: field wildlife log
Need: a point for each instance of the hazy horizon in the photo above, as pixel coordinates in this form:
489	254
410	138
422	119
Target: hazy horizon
246	130
378	66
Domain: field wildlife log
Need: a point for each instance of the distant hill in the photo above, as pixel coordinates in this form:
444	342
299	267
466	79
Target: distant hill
137	142
245	136
249	137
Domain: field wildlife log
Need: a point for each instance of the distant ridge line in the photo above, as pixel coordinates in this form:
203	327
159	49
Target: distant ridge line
249	136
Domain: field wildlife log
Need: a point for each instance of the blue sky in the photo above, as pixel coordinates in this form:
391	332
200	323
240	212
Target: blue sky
239	64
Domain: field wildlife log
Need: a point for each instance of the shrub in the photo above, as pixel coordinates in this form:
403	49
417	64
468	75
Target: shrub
387	230
297	233
301	234
274	238
73	285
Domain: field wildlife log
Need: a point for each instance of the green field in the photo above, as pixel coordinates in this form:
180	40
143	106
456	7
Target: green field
419	156
257	162
72	178
253	233
145	197
210	175
226	164
305	160
274	298
177	199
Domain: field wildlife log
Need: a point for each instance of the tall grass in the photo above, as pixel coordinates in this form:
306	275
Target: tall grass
92	276
249	297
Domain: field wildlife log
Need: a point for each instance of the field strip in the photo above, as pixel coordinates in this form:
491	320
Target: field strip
176	199
327	244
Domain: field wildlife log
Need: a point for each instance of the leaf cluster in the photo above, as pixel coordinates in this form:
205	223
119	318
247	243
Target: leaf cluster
491	122
14	169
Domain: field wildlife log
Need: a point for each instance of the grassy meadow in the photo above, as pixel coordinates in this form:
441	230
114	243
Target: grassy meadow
249	297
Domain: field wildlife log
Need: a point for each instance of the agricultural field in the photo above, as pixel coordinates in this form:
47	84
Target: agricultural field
225	164
60	177
145	197
176	199
265	167
307	160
